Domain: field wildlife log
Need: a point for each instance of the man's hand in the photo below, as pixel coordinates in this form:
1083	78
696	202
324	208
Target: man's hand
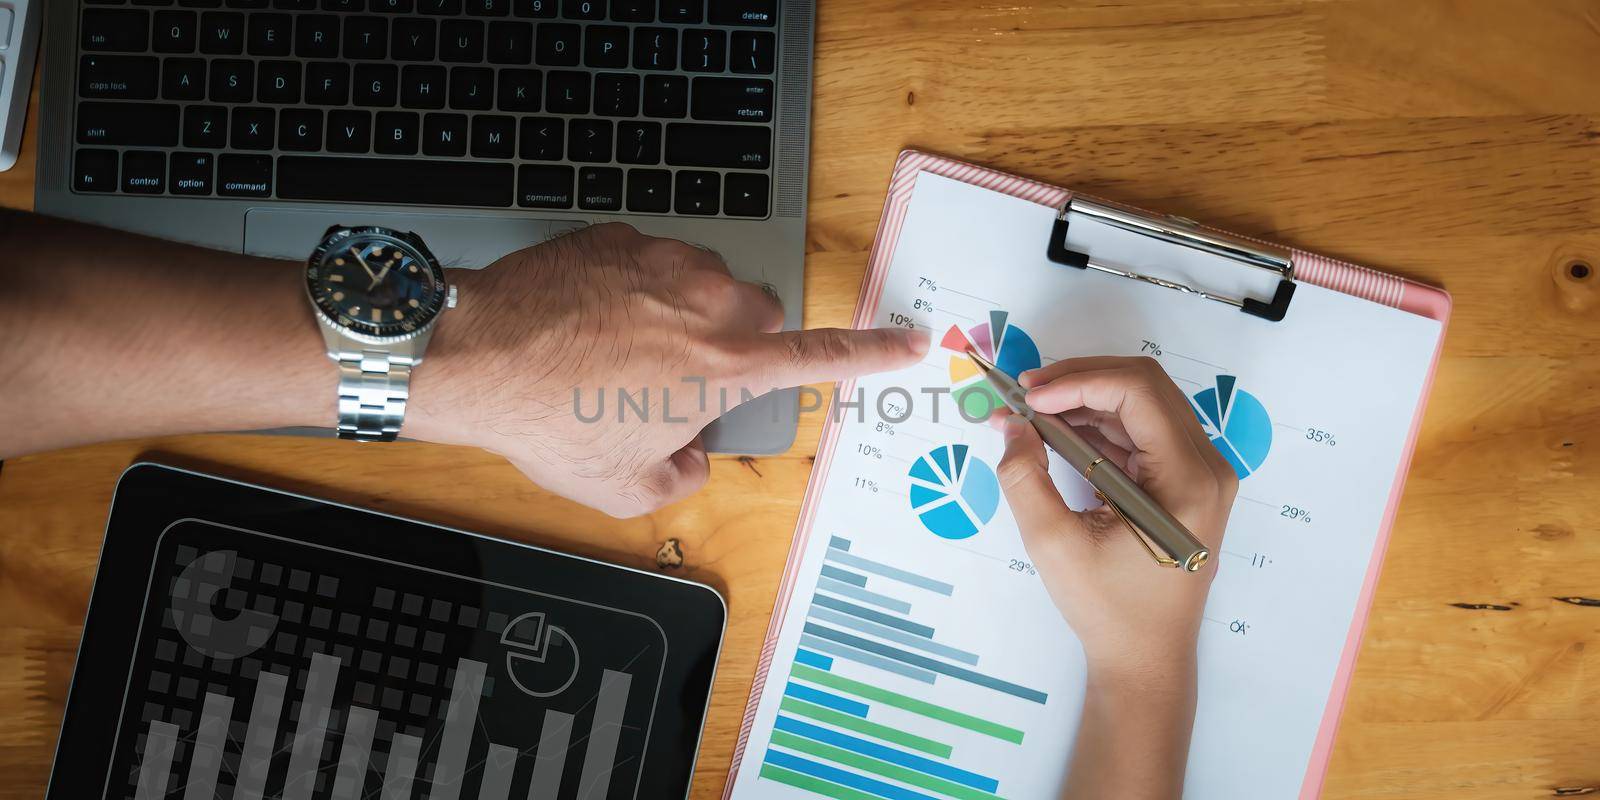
568	325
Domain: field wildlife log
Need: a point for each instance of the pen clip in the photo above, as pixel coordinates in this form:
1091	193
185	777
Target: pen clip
1160	559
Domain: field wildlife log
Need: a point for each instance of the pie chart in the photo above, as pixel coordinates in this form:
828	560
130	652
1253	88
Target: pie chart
1237	423
953	493
1008	346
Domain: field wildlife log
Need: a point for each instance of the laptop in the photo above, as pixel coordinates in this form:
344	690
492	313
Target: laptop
483	125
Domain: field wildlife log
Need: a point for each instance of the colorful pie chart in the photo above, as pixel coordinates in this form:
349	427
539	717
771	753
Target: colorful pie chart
953	493
1008	346
1237	423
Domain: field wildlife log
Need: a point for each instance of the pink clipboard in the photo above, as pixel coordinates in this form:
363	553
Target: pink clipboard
1340	276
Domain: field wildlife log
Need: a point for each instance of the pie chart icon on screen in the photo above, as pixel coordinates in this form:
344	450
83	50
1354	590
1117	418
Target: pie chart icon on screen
541	658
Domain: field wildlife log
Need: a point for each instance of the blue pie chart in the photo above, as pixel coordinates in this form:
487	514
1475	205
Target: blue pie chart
1237	423
953	493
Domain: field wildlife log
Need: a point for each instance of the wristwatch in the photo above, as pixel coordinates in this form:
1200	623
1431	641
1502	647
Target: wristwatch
377	294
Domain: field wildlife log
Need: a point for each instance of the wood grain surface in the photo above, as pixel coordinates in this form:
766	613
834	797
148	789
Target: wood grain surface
1457	143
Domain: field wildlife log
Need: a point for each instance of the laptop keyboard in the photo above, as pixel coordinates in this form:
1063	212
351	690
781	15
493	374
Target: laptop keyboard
644	106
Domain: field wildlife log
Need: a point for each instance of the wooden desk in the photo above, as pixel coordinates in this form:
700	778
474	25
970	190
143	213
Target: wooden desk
1457	143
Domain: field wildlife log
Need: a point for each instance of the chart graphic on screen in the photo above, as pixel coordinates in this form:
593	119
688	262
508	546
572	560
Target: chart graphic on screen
1237	423
954	494
1008	346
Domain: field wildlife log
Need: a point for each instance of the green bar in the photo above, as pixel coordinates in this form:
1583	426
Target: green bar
839	755
810	784
860	725
869	692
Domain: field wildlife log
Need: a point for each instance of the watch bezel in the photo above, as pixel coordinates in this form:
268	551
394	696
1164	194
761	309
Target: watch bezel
360	330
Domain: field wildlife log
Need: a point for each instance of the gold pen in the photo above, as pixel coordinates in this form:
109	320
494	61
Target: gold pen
1145	518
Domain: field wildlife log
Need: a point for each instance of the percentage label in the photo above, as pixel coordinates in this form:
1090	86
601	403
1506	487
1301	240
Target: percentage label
1239	626
927	283
1259	560
923	305
868	485
1018	565
884	428
1321	437
1296	513
901	320
870	451
1150	348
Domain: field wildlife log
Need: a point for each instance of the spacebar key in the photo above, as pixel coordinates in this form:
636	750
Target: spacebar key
382	180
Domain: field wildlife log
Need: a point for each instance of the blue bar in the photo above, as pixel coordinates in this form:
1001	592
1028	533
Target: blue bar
860	783
867	659
811	659
844	741
839	544
924	662
839	556
826	699
882	601
843	576
895	635
874	616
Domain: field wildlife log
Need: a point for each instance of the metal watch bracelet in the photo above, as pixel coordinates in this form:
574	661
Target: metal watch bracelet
373	389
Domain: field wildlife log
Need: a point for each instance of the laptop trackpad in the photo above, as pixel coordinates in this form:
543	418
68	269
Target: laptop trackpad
457	240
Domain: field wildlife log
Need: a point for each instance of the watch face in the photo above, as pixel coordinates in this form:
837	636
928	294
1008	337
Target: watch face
375	283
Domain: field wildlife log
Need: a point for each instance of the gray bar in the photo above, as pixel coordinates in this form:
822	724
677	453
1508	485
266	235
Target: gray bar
551	757
838	544
927	663
401	767
350	782
256	760
601	755
867	659
843	576
497	769
858	593
894	635
156	765
459	721
875	616
209	740
841	557
306	756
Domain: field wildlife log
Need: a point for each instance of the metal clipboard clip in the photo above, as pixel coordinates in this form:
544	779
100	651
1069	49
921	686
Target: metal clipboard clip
1187	233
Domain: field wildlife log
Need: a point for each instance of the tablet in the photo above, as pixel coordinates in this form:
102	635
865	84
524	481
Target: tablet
244	643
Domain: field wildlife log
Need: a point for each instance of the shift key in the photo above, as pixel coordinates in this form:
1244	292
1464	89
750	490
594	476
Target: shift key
134	124
738	146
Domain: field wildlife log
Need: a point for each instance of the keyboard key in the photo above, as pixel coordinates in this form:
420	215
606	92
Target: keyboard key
205	126
589	140
244	176
471	88
744	12
375	85
744	194
395	133
175	32
488	8
633	10
183	79
752	52
344	5
689	12
650	190
246	3
510	43
295	5
542	139
300	129
190	173
567	92
391	6
271	34
414	39
519	89
616	95
704	51
539	9
252	129
328	84
134	124
666	96
117	30
605	47
655	48
144	172
696	193
349	131
494	137
733	99
422	87
118	77
461	41
737	146
583	9
200	3
366	38
316	36
377	180
558	45
639	142
541	186
221	33
278	82
443	8
600	189
232	81
94	171
444	135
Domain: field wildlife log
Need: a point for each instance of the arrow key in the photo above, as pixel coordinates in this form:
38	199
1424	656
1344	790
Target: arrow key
745	194
649	190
